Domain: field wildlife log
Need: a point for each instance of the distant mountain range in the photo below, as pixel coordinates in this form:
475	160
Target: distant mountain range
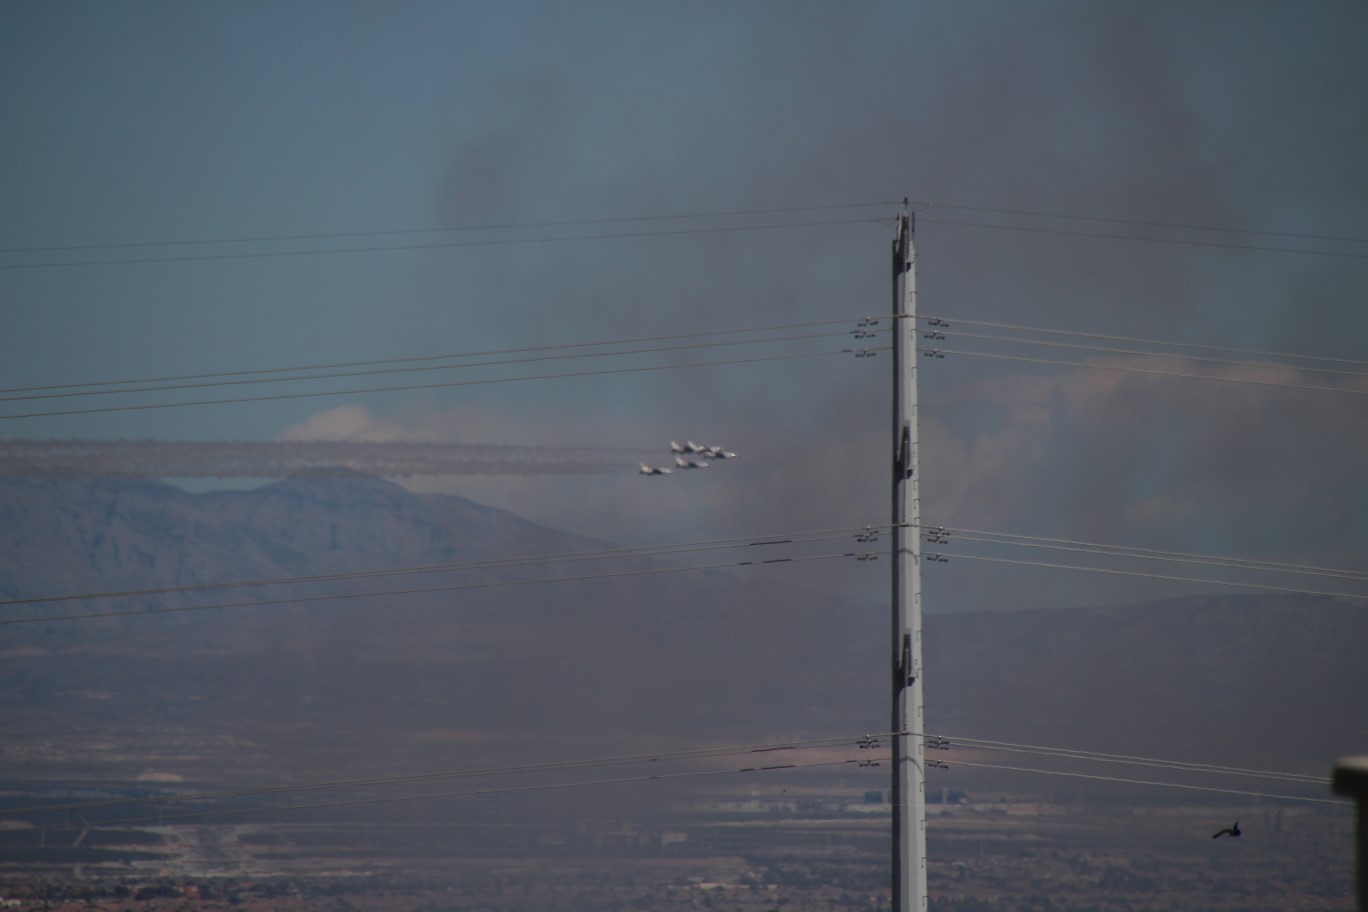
615	662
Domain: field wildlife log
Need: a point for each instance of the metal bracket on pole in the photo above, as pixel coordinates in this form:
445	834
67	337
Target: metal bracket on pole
902	469
906	674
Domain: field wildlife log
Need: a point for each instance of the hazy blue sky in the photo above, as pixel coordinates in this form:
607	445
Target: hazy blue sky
169	122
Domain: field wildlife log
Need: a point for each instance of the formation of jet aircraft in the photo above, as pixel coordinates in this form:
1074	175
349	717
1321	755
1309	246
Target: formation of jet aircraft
711	452
692	449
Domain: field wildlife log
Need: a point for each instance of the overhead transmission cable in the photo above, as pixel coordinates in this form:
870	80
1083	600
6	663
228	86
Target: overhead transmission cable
1111	350
1141	340
508	226
932	320
921	206
1101	219
797	537
70	393
1175	785
426	368
491	584
424	386
1063	544
1128	759
927	350
1159	576
472	793
553	766
411	359
863	741
936	330
443	245
1185	242
778	538
866	741
939	351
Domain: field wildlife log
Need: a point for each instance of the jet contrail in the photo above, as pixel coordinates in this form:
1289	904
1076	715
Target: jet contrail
276	459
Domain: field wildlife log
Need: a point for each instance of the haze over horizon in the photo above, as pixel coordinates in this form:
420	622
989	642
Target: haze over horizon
504	252
354	121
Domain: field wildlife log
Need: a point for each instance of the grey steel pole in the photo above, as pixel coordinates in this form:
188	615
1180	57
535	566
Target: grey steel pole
909	750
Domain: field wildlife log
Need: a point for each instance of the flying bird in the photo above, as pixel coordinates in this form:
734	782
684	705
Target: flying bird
1228	831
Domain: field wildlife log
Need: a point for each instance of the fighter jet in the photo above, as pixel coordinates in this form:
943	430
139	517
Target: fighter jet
716	452
651	470
682	463
1228	831
687	447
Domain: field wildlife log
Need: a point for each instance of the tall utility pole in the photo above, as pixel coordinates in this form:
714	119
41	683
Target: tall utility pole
909	748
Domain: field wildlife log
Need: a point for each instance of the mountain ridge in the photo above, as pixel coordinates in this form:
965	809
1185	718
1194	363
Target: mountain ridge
658	658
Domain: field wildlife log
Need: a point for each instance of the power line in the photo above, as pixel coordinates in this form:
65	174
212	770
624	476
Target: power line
1136	339
222	812
936	321
511	226
555	766
570	223
1136	237
1143	223
1078	346
927	351
347	596
1136	760
422	386
778	538
444	245
1130	760
431	367
1175	785
421	358
864	741
1140	370
1158	576
1060	544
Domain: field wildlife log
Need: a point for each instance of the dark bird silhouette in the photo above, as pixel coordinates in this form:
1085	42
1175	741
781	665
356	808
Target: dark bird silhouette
1228	831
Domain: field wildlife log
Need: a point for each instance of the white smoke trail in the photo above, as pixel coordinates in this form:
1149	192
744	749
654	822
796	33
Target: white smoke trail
275	459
